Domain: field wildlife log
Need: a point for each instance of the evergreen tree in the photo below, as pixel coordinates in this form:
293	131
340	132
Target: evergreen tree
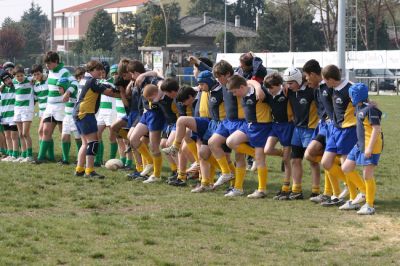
101	32
230	41
156	33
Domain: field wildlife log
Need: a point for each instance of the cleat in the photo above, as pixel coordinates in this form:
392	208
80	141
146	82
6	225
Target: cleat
276	197
97	164
333	201
222	179
79	173
133	176
147	170
366	210
320	198
312	195
257	194
174	176
201	188
27	160
38	162
194	167
62	162
344	193
18	160
151	179
229	189
359	199
234	193
95	175
171	151
349	206
296	196
177	183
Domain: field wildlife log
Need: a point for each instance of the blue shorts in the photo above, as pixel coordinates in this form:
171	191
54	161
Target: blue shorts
227	127
358	156
301	136
341	140
86	125
132	118
282	131
323	129
167	131
154	120
202	126
212	127
257	133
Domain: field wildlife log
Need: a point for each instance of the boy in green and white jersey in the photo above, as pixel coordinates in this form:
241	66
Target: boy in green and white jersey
23	113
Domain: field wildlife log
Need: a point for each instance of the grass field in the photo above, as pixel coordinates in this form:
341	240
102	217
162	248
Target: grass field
49	217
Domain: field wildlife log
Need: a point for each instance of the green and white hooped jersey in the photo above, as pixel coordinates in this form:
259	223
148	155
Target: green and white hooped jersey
54	97
120	108
107	103
7	105
69	106
24	99
40	91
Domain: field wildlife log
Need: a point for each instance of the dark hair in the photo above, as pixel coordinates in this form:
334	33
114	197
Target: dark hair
51	57
19	69
206	61
184	93
123	66
36	68
273	79
169	85
331	72
235	82
312	66
136	66
222	68
79	71
94	65
247	59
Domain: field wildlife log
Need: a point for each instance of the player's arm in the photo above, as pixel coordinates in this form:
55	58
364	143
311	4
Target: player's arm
374	119
141	77
260	94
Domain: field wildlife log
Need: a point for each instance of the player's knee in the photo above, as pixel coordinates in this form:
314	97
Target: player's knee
326	164
92	148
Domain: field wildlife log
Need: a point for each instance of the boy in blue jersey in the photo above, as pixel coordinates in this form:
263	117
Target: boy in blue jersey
369	143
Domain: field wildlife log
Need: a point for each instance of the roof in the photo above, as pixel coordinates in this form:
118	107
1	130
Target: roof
90	5
194	26
127	3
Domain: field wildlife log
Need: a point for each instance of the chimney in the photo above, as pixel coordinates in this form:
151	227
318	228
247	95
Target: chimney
237	21
257	21
206	19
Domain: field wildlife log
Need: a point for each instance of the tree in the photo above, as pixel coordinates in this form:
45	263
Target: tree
214	8
128	41
101	32
78	46
247	10
230	41
36	25
156	34
12	42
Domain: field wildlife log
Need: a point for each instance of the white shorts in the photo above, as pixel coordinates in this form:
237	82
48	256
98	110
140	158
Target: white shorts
69	127
55	111
23	115
106	119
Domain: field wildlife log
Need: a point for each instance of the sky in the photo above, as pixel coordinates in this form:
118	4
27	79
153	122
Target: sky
15	8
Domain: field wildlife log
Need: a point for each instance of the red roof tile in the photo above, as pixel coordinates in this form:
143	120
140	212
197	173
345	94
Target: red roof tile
87	5
127	3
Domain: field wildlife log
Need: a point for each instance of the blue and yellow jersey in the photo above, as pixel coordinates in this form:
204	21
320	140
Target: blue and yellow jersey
280	107
233	105
323	98
256	111
89	97
367	116
343	109
202	109
216	106
169	108
304	107
184	110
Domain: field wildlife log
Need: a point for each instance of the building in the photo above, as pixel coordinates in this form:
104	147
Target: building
72	23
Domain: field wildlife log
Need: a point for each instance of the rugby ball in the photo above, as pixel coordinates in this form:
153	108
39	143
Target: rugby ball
114	164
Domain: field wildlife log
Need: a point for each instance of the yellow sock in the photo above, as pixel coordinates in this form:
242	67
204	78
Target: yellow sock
213	162
233	171
144	161
193	149
334	181
182	176
173	167
246	149
157	159
352	189
370	186
262	173
176	144
286	185
337	172
239	177
80	169
328	186
315	189
223	164
144	151
212	174
296	188
357	180
89	170
138	166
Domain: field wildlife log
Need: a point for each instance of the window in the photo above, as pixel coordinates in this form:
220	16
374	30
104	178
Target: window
59	22
71	22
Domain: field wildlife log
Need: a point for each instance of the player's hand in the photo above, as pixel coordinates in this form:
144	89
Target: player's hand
193	60
260	95
139	80
66	97
285	90
368	153
61	90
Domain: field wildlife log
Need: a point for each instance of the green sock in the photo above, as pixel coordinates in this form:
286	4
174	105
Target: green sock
9	152
99	155
78	143
65	148
23	154
15	154
113	150
44	146
29	152
50	150
129	163
123	159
